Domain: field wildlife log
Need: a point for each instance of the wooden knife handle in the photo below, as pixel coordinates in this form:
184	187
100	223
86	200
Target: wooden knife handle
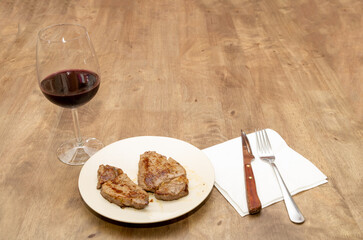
254	204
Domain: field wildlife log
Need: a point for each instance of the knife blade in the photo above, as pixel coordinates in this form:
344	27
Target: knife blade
253	201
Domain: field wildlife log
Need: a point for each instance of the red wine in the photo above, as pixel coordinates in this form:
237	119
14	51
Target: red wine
70	88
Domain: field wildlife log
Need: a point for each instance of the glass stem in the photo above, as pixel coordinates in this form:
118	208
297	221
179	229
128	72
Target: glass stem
76	127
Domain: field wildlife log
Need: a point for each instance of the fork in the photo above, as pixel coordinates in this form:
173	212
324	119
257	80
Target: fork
265	152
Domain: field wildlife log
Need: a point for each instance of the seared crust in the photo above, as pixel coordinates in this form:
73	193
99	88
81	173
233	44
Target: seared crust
106	173
118	188
166	177
124	192
172	190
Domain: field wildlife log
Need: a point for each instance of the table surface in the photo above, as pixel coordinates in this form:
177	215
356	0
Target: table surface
198	71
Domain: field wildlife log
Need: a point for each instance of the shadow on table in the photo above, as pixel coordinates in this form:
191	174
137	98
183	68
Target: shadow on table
148	225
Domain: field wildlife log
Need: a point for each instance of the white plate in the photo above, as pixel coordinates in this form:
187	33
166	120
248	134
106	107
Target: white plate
125	154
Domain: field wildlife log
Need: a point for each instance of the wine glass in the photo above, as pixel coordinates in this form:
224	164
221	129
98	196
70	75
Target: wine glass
68	76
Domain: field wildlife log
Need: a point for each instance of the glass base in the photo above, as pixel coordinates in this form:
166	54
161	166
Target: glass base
73	153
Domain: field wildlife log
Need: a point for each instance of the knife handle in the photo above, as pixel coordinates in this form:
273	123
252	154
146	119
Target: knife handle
253	202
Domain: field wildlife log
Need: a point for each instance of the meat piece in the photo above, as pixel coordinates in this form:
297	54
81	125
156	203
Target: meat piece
118	188
106	173
124	192
173	189
166	177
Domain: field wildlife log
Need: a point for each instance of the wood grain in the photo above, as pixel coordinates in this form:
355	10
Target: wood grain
199	71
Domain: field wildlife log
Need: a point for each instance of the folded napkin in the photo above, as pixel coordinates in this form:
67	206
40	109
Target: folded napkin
298	173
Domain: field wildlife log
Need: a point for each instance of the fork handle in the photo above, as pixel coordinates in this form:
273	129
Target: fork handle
294	213
253	201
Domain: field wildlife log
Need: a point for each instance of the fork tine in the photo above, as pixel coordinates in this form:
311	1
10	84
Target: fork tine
265	144
258	141
257	146
262	148
267	140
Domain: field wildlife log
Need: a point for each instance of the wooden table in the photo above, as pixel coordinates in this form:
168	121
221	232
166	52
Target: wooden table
198	71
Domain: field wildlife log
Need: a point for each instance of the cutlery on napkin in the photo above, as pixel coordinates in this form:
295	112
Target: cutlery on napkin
253	202
298	172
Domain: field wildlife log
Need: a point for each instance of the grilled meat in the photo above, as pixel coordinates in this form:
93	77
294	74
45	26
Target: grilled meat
120	189
106	173
165	177
173	189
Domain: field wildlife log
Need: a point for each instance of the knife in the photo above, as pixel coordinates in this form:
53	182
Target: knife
253	202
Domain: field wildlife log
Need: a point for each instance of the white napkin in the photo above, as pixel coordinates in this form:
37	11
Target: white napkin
298	173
